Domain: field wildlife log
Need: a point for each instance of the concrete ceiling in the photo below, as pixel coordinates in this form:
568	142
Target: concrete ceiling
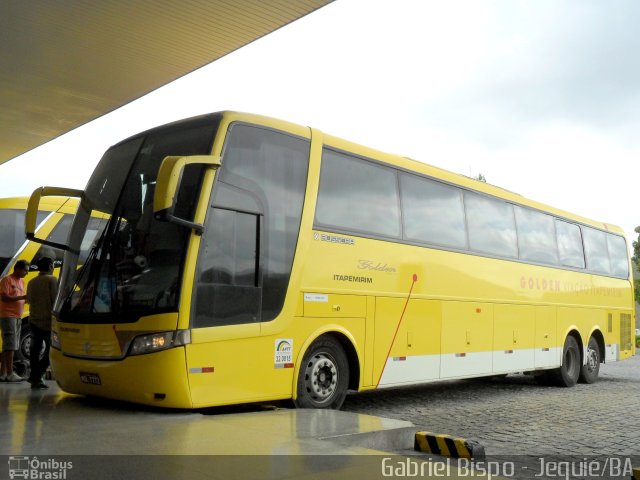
65	63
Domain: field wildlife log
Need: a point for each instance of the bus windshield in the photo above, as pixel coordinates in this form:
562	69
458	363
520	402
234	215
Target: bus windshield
134	260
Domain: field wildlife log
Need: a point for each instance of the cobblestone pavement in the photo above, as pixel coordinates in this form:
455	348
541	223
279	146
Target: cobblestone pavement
515	416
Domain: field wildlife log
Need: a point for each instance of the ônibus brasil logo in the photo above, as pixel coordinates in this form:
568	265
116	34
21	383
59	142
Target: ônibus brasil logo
34	468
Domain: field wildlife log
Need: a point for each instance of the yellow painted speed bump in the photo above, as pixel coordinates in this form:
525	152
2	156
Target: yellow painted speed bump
448	446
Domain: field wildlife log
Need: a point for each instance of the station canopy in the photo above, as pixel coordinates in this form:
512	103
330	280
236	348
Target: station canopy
65	63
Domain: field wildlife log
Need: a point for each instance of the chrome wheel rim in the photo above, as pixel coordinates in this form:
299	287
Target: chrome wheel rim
592	360
321	377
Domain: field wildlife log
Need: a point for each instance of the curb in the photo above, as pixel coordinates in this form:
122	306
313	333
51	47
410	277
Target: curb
391	439
448	446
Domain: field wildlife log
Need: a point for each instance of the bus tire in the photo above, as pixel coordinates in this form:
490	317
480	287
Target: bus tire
591	368
324	375
567	375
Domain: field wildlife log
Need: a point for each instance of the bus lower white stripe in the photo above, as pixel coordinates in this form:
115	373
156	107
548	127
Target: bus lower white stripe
612	353
505	361
455	365
548	357
414	369
424	368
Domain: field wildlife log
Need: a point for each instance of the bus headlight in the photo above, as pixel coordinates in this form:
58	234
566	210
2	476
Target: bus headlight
55	340
154	342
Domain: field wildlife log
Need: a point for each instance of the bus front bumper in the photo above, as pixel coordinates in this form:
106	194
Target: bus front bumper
157	379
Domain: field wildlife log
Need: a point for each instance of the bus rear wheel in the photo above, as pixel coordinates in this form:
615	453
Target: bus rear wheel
591	368
567	375
324	376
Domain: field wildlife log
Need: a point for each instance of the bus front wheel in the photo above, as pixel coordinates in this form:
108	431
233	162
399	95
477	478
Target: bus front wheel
589	371
567	375
324	376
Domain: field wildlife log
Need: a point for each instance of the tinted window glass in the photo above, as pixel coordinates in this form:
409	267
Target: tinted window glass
618	256
536	236
95	227
59	234
432	212
228	290
595	249
358	196
569	244
230	251
134	266
107	180
491	225
264	173
12	233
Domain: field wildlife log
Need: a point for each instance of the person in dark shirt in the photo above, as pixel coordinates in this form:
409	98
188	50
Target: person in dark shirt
41	295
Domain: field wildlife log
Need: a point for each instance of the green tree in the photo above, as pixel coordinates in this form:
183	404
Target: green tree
481	178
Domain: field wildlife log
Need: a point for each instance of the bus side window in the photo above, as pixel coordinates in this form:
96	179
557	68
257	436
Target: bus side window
433	213
491	223
595	249
357	195
618	255
228	290
570	244
536	236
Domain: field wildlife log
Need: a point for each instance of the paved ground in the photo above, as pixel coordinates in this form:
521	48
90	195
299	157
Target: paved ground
52	435
514	415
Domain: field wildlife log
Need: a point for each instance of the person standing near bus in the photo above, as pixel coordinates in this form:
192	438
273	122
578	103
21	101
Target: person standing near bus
12	298
41	295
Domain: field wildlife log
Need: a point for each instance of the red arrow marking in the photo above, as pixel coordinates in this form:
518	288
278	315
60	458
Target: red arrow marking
415	279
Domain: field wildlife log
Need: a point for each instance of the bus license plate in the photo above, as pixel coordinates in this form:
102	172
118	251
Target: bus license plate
90	378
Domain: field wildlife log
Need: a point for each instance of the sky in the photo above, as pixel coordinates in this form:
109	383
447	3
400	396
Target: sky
542	97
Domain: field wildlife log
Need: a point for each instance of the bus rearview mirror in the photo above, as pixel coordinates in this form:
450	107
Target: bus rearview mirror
168	185
30	219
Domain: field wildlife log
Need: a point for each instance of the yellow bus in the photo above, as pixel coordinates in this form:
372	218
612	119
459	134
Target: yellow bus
248	259
53	221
